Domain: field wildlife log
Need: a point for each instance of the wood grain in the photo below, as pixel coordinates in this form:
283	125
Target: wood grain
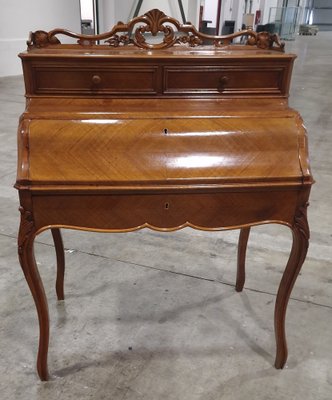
126	135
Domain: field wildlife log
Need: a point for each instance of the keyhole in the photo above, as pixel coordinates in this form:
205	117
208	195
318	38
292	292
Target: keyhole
166	206
165	131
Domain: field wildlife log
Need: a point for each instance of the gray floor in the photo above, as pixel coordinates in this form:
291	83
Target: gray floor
155	316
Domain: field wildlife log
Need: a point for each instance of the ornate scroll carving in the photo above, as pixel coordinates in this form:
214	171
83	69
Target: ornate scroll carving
301	221
41	39
26	227
117	40
192	40
265	40
155	22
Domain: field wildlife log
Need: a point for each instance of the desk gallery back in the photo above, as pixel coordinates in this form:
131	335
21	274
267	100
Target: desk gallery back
120	134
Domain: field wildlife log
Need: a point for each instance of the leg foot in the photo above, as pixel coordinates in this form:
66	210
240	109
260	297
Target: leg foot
29	267
298	253
60	258
241	258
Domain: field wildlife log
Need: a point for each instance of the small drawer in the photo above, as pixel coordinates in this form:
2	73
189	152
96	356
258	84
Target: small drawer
124	80
230	80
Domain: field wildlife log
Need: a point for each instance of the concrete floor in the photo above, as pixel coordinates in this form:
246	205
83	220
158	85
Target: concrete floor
155	316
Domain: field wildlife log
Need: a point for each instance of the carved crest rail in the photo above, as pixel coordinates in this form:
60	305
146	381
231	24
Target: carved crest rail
155	22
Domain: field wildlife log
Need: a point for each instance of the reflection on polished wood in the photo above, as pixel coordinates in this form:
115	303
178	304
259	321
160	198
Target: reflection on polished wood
125	135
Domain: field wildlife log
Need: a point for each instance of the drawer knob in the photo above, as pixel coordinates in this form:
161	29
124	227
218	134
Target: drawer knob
223	82
96	79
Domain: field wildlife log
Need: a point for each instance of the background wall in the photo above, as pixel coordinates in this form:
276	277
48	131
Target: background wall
19	17
210	12
112	11
322	14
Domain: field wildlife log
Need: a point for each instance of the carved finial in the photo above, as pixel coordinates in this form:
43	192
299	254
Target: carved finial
41	39
265	40
154	20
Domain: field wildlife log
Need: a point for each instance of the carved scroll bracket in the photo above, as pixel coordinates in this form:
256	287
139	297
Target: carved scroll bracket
26	228
41	39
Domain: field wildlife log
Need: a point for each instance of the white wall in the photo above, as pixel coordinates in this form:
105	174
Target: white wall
236	14
266	13
124	9
106	11
210	12
19	17
87	9
234	10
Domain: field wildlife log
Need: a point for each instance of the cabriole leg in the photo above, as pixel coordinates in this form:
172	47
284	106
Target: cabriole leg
60	259
298	253
241	258
27	260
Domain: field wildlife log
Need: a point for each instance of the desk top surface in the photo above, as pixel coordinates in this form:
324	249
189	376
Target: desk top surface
230	51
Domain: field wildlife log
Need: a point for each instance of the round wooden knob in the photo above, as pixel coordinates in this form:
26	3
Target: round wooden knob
223	81
96	79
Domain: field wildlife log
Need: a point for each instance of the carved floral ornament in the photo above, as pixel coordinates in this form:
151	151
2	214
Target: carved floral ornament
26	227
154	22
301	221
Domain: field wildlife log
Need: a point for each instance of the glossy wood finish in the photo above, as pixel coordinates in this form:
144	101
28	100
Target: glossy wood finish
126	135
166	150
124	72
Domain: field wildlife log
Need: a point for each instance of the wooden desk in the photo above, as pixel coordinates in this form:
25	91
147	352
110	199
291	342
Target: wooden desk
127	135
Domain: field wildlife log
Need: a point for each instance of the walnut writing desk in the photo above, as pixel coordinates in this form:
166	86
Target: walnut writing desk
120	134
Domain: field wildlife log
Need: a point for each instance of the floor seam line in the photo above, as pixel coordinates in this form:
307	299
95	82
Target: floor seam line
198	277
180	273
218	281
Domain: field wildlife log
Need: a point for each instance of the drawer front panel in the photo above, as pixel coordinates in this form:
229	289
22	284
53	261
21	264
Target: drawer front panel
224	80
108	80
164	211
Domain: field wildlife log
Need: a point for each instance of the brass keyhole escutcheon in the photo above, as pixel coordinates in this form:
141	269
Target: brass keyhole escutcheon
165	131
166	206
